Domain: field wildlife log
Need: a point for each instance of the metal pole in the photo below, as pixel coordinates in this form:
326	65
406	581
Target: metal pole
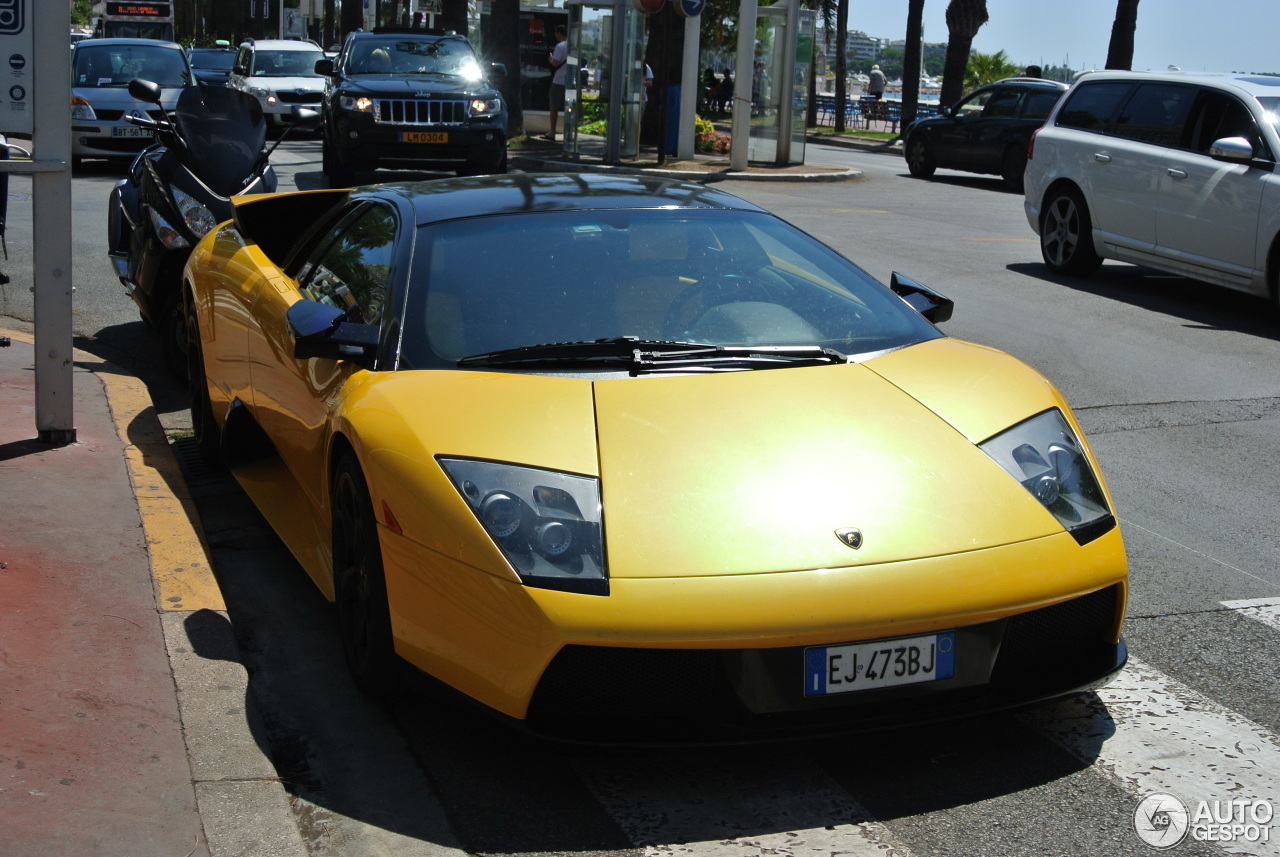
786	104
617	73
746	62
690	80
51	224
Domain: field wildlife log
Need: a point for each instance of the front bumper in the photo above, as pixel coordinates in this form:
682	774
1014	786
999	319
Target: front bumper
365	145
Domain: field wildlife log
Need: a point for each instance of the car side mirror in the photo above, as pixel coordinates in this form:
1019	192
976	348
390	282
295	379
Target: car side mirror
324	67
145	90
1236	150
497	71
320	330
933	306
239	69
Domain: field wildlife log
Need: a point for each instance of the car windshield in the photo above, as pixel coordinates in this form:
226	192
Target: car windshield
213	60
116	65
413	56
225	130
267	63
726	278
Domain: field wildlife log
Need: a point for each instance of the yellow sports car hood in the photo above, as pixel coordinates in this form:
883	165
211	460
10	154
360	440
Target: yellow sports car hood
753	472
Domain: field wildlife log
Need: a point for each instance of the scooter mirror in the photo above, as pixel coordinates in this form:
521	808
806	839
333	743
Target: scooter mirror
306	118
145	90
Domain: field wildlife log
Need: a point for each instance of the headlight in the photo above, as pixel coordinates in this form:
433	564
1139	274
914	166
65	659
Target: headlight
171	238
485	106
82	110
1047	458
359	103
547	524
198	218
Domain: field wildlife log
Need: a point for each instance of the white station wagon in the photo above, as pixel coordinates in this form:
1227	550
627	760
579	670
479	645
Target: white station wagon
1169	170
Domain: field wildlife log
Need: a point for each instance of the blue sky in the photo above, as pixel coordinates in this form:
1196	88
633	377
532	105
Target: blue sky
1223	35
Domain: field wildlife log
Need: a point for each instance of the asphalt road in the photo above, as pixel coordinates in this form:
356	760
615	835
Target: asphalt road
1176	383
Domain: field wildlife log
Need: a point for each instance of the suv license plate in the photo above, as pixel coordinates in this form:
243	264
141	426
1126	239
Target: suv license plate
424	136
130	131
879	663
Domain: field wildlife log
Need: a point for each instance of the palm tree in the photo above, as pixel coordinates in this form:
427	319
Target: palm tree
912	61
1120	51
987	68
842	29
964	19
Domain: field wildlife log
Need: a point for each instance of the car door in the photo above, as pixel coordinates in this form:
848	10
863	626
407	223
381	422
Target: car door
349	267
954	139
989	131
1208	214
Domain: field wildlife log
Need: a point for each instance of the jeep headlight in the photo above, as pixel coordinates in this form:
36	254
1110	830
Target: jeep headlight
1044	454
547	524
481	107
358	103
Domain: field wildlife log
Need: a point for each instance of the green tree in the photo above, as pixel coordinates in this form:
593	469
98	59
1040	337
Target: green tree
81	12
964	19
987	68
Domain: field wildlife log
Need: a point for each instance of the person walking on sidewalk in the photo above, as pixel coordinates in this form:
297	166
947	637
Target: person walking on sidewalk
875	83
559	57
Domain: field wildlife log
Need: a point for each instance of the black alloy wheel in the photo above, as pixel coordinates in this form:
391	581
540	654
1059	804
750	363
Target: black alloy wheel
1066	235
360	586
203	425
171	324
919	159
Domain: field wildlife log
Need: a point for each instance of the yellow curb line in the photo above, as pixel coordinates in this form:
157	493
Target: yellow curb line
181	572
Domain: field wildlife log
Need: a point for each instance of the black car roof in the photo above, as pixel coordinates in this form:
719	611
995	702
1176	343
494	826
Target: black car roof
515	193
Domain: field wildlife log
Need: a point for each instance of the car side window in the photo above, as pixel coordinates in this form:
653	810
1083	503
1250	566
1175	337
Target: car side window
1091	106
1156	113
1003	103
1038	105
1217	115
974	104
351	269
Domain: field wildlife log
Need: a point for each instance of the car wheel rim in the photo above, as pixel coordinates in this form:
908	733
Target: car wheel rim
353	577
1062	230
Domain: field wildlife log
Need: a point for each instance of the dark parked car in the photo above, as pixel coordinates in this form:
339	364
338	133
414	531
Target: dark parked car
411	99
212	66
985	132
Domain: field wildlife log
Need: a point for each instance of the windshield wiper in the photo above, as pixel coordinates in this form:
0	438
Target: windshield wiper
643	356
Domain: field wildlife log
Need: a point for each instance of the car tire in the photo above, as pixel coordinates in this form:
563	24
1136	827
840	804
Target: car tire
203	425
360	585
337	173
919	159
171	324
1012	166
1066	234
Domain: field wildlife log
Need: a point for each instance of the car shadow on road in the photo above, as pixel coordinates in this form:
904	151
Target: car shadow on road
1199	304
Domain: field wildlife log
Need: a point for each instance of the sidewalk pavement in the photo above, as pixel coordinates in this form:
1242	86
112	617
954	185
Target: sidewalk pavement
124	727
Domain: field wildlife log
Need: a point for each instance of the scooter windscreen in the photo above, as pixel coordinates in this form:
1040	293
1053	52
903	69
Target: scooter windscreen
225	132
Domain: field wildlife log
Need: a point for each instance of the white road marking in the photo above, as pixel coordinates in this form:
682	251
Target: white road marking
1155	734
777	807
1264	610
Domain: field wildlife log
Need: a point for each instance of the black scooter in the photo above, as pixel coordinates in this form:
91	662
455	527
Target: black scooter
179	188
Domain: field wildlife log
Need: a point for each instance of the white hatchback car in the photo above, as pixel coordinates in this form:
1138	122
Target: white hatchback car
281	74
1169	170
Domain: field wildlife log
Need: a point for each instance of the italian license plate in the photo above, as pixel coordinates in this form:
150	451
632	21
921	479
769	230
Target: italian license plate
879	663
424	136
130	131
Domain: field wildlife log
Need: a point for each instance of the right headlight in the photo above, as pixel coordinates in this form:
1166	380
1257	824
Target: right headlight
1044	454
547	524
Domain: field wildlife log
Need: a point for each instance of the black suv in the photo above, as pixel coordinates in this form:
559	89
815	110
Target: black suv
985	132
411	99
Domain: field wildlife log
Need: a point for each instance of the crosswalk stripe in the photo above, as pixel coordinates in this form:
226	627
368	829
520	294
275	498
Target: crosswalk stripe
1264	610
735	807
1156	735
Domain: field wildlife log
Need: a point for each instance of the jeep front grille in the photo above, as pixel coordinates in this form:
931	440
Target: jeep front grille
435	111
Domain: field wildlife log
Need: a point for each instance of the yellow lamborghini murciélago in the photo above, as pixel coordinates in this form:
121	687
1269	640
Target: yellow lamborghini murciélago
620	458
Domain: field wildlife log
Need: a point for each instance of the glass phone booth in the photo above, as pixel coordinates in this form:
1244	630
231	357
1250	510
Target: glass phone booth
780	85
604	83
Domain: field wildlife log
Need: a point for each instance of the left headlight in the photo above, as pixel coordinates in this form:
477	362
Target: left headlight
1045	455
485	106
548	525
198	218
